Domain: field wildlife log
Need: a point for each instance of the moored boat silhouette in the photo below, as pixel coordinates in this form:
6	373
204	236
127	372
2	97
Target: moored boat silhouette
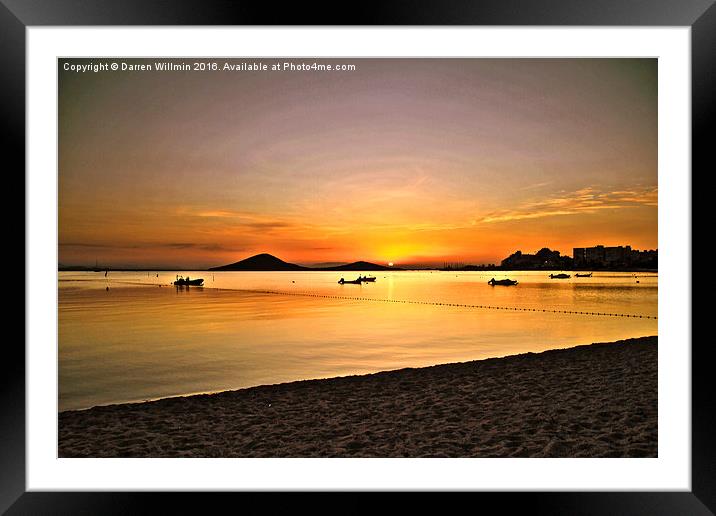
505	282
181	281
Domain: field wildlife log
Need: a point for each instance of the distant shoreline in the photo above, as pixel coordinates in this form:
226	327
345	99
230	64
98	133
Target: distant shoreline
265	262
597	400
308	269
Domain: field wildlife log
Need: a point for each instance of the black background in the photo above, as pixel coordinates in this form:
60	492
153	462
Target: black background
16	15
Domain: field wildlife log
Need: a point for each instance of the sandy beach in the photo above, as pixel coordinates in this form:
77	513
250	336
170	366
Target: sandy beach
597	400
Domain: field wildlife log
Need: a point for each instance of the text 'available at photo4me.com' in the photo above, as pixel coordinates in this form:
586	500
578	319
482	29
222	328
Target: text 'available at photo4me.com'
206	66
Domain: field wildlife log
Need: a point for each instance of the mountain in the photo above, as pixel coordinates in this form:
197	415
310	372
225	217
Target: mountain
267	262
359	266
260	262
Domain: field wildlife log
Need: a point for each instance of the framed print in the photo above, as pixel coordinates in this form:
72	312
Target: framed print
438	248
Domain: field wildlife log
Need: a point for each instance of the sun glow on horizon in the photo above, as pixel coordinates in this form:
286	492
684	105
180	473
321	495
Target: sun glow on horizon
410	161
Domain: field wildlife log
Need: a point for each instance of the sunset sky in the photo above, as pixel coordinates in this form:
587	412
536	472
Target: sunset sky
411	161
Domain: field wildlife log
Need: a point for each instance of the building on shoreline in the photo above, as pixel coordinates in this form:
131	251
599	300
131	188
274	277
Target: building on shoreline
598	257
610	257
543	259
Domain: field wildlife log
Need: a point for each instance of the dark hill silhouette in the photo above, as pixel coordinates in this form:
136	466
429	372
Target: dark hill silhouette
260	262
267	262
358	266
323	265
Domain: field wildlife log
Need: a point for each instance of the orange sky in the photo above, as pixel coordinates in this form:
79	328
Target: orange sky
411	161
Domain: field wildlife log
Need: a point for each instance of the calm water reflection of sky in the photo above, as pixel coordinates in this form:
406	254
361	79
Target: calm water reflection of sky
140	341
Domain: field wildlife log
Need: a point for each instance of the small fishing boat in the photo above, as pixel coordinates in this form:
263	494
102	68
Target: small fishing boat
367	278
584	275
505	282
181	281
353	282
559	276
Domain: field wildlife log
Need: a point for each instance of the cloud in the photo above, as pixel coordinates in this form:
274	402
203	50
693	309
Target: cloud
154	245
239	219
218	214
84	244
177	245
585	200
535	186
199	246
268	225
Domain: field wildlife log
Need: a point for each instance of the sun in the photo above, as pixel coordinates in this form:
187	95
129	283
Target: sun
390	264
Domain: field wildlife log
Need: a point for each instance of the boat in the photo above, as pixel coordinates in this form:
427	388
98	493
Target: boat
352	282
505	282
181	281
584	275
367	278
189	283
559	276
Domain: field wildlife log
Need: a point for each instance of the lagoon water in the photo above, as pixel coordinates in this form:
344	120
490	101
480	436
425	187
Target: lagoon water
144	339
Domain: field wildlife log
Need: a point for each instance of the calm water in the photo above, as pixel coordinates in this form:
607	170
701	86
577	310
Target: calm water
143	339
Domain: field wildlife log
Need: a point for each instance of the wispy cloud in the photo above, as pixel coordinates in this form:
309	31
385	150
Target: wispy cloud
535	186
236	219
268	225
153	245
223	214
85	244
584	200
177	245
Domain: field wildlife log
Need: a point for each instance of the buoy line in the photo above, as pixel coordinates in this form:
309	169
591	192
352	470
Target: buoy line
459	305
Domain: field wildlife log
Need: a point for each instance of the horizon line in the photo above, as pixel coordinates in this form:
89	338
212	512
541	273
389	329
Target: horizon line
429	263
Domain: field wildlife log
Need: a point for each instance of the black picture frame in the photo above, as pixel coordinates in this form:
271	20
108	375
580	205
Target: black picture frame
700	15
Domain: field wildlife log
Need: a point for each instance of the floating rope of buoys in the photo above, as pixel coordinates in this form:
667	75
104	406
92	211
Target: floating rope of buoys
458	305
433	303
